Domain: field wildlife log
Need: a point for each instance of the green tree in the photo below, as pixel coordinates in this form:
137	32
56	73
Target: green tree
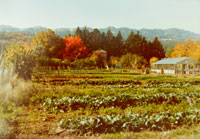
157	49
133	42
47	43
136	44
21	58
103	41
78	33
96	39
88	39
109	43
85	37
118	46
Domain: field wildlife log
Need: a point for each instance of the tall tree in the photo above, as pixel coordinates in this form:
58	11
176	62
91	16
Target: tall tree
95	39
47	43
129	42
146	49
103	41
78	33
118	48
85	35
136	44
157	49
109	43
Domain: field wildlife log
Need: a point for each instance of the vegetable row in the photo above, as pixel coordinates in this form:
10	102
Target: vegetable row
122	101
130	122
133	82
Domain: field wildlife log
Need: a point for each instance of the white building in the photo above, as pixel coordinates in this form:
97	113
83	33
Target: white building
182	65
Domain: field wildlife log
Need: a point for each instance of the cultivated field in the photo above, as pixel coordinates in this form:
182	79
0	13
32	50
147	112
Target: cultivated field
105	104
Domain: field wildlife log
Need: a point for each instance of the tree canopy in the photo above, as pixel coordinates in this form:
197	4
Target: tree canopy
189	48
20	57
49	49
49	44
117	46
75	49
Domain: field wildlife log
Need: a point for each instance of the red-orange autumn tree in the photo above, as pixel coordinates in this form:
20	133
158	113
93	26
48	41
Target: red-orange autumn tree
75	49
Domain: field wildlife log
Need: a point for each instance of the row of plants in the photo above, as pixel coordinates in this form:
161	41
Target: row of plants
133	82
101	73
130	122
161	85
90	82
123	101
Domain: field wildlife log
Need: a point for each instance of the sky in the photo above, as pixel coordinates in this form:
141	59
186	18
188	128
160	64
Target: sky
135	14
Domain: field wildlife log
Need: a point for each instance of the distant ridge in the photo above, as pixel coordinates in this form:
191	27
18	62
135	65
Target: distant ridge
172	34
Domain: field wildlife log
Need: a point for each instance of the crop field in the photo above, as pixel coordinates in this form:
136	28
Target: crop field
107	104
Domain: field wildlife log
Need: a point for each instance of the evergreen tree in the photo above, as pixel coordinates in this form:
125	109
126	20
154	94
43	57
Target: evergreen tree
96	39
157	49
85	36
118	48
144	49
109	43
128	42
103	41
134	43
78	32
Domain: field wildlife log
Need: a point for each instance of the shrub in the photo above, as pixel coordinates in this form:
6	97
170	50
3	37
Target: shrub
133	61
85	63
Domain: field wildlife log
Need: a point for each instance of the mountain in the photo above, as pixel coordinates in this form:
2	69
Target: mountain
172	34
163	34
169	34
6	28
33	30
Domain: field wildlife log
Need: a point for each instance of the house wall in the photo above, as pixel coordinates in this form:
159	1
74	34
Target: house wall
164	71
156	70
169	71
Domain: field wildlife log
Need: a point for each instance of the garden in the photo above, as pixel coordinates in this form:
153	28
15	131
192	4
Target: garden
104	104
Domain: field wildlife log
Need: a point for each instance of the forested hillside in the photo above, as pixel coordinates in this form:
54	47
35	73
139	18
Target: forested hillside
168	37
162	34
11	37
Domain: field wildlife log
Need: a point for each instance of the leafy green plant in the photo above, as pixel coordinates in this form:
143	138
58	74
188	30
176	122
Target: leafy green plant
123	101
131	122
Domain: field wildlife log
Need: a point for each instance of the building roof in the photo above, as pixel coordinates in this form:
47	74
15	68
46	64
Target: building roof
172	60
